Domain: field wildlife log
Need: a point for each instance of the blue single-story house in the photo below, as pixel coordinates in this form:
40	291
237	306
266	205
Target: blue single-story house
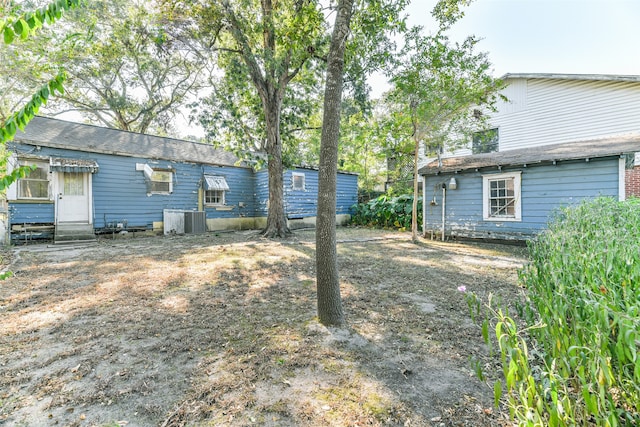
511	195
90	179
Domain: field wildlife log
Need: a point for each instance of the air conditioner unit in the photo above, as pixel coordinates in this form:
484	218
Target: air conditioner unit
173	221
195	222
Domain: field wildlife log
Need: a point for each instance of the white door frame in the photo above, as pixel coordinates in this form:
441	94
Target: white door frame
57	194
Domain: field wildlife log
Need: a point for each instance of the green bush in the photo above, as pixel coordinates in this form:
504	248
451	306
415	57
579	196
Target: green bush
387	212
578	361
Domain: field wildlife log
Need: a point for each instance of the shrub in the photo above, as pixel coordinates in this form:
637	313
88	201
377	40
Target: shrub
578	361
387	212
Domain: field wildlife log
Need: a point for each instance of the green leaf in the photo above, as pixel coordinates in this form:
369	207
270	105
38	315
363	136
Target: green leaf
25	24
17	27
41	16
53	85
485	330
22	28
9	35
16	174
20	120
66	4
10	126
497	393
31	20
44	93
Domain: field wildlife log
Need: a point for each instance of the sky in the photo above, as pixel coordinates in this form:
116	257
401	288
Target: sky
548	36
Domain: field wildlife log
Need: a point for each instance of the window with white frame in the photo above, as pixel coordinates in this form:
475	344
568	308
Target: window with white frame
214	197
161	181
35	185
501	197
297	180
215	188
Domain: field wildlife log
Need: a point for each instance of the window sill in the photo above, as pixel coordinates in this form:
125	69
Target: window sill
27	201
220	207
502	219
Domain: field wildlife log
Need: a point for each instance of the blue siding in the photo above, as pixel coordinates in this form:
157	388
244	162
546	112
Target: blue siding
347	193
262	192
241	183
544	189
301	203
120	191
31	213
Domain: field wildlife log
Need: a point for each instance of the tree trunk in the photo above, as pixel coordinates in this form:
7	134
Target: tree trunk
276	217
328	285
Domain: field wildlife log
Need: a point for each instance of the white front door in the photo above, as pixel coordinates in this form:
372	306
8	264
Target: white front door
74	197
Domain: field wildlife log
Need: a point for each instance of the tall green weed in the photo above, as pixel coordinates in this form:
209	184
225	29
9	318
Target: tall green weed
577	361
387	212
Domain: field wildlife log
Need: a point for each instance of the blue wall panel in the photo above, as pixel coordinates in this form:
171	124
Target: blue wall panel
120	191
544	189
262	192
241	184
301	203
31	213
347	193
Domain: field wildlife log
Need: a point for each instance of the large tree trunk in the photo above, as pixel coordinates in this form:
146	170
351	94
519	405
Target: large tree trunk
276	217
328	285
270	87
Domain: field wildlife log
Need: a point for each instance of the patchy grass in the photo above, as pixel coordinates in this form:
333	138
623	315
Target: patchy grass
220	329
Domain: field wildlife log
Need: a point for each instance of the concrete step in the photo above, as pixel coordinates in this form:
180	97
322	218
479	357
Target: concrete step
65	238
74	232
73	244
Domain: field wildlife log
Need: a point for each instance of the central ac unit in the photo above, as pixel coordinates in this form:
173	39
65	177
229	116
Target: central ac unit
195	222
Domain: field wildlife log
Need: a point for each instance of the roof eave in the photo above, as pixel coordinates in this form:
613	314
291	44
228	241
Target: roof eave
562	76
97	150
500	166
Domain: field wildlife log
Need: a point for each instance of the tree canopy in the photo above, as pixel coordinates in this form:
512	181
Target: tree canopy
124	70
24	25
442	87
274	53
18	26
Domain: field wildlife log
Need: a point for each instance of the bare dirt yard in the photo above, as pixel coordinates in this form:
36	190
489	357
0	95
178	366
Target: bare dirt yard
220	330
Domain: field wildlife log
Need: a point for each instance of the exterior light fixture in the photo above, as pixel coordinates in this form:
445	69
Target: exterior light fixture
453	184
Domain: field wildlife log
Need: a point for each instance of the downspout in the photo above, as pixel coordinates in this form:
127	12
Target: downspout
424	206
201	192
444	201
622	191
56	196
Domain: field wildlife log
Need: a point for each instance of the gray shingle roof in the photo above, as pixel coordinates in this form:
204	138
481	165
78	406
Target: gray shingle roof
560	76
48	132
588	149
